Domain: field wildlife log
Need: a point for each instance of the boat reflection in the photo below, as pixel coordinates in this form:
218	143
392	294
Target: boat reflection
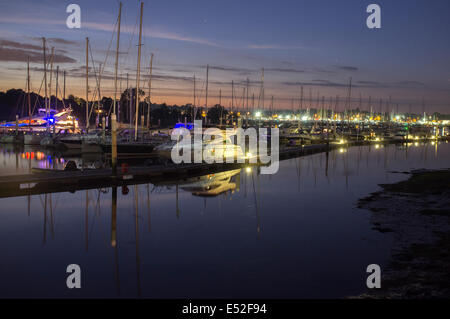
209	185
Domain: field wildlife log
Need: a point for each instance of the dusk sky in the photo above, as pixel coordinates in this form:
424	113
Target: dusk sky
319	44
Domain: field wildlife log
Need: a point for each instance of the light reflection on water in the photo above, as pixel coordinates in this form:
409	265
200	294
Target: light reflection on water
234	234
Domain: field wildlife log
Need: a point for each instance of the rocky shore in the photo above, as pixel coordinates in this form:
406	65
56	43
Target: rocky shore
417	213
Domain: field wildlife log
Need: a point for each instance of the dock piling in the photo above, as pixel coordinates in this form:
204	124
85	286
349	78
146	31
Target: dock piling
114	144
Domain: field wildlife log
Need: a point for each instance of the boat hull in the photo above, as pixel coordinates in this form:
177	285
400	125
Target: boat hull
32	139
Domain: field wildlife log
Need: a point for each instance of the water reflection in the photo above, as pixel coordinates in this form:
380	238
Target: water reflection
230	234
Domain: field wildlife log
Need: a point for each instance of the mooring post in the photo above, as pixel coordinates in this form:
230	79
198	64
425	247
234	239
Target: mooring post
114	144
103	128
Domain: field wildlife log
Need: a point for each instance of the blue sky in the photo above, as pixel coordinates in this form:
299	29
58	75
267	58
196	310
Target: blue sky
318	44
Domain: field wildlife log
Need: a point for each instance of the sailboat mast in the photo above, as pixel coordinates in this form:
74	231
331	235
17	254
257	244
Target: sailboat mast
232	94
301	107
64	89
193	110
56	94
349	100
28	91
206	100
150	91
50	84
220	105
45	80
262	87
130	102
117	58
301	99
99	94
138	75
87	84
248	84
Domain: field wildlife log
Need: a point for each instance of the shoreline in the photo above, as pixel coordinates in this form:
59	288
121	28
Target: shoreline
416	212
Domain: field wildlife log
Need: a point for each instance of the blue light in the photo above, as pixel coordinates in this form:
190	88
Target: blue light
51	120
182	125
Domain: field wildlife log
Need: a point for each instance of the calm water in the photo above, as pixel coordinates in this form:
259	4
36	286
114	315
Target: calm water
294	234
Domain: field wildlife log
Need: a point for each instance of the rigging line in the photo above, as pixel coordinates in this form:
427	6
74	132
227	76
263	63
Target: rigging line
109	47
131	39
62	99
201	93
94	95
23	101
102	67
37	98
16	109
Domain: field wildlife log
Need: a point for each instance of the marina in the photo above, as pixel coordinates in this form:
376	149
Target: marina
224	152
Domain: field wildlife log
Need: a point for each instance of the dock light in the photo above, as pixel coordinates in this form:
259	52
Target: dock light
249	154
377	139
248	169
258	114
304	118
342	141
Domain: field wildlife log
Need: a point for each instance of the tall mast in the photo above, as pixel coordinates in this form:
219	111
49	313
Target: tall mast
138	75
262	87
51	76
87	84
130	102
248	83
243	99
220	105
149	91
99	80
28	91
349	99
193	106
117	57
310	103
301	99
56	95
271	111
253	102
232	94
206	100
64	90
45	80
